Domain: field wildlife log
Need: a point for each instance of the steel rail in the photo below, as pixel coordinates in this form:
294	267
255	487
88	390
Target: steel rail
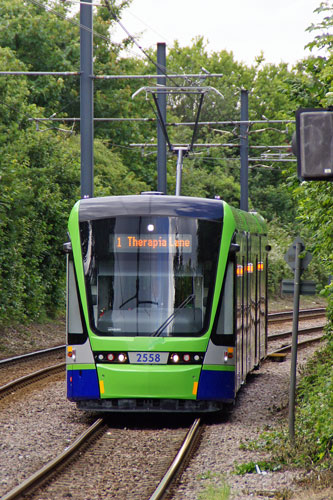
31	377
50	467
303	331
285	315
28	355
301	344
182	454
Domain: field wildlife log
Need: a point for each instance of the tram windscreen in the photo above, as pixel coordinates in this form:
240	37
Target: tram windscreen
150	275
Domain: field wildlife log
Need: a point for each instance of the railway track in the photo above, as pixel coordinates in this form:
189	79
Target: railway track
19	366
312	316
282	316
65	472
30	378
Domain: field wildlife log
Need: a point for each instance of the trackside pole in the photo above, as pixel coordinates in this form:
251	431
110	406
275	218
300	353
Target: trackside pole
161	142
244	151
86	101
292	390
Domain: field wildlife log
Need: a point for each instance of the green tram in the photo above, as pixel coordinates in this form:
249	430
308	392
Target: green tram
167	302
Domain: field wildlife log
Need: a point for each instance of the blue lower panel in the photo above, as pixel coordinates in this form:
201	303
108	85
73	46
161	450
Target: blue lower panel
217	385
82	384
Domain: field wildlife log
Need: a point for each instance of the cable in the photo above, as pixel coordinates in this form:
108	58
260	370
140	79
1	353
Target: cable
75	23
152	29
132	38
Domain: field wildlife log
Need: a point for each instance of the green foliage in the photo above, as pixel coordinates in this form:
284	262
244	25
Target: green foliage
33	224
212	492
315	203
34	212
278	269
315	398
251	467
323	40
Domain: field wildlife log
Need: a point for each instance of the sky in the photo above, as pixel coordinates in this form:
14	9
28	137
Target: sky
245	27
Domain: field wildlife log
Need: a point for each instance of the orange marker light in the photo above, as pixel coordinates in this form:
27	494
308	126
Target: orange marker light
260	266
250	268
240	270
230	352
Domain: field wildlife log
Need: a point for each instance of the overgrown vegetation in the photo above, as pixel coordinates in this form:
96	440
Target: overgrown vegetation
313	446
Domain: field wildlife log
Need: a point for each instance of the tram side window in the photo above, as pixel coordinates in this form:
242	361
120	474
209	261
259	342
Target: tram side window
74	325
225	325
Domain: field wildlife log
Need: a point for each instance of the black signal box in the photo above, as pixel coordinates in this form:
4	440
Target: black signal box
314	144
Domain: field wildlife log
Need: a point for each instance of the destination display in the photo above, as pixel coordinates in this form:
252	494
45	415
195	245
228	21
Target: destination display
151	243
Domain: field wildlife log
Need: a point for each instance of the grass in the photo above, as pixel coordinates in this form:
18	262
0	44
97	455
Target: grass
215	492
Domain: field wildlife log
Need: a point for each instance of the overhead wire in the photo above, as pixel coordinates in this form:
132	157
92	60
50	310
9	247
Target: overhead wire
131	37
116	19
72	21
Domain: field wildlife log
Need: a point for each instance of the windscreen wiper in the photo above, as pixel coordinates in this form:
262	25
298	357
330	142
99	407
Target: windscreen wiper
173	315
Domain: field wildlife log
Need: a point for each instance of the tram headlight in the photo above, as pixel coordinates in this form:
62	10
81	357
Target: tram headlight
175	358
122	357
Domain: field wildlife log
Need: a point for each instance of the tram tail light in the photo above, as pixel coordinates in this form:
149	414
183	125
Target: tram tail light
228	354
187	358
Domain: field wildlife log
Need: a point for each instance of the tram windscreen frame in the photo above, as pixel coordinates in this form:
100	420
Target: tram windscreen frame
150	275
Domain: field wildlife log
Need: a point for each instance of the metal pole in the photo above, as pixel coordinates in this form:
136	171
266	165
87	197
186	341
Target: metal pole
86	101
292	391
180	160
161	142
244	152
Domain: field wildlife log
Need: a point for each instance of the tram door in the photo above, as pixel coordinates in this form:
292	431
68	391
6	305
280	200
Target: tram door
241	299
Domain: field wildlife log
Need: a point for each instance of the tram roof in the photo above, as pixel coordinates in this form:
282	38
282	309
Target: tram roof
150	204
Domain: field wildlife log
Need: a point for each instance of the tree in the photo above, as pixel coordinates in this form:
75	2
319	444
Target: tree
40	182
316	198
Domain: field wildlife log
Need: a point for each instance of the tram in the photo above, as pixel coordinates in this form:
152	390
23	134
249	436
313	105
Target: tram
166	302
